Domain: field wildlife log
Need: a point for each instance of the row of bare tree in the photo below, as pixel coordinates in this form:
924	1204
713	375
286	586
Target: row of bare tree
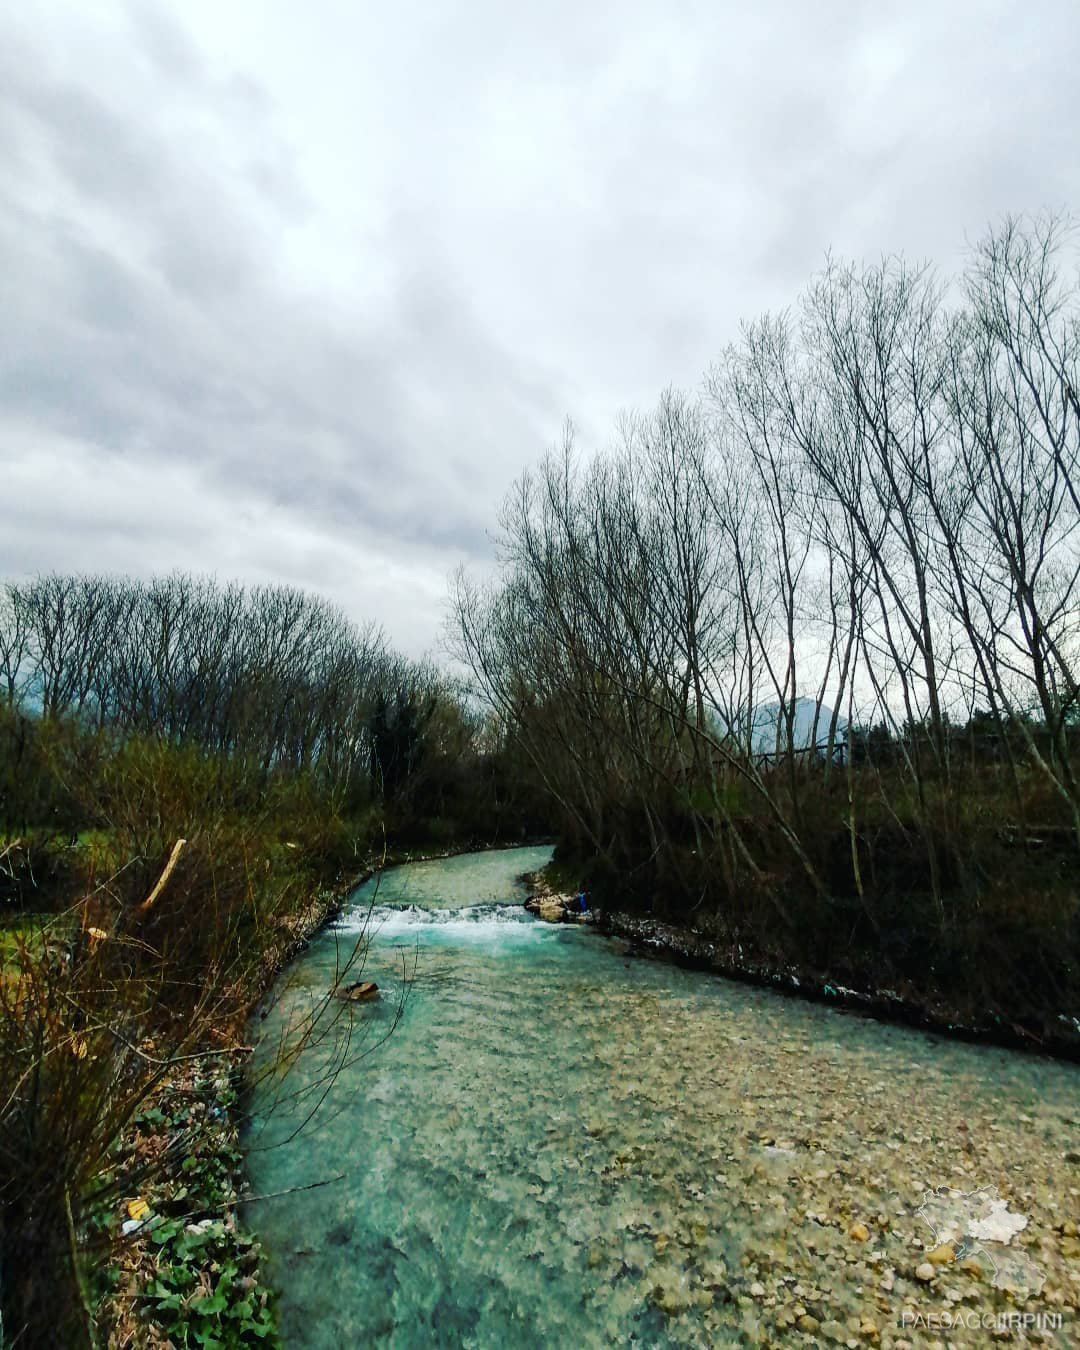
870	514
276	676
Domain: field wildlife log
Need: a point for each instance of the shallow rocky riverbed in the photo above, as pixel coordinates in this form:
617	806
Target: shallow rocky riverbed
559	1145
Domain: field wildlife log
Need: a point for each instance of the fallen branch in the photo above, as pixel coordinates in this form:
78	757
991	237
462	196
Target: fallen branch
169	866
156	1220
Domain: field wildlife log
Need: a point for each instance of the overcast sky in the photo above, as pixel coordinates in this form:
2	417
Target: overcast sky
293	292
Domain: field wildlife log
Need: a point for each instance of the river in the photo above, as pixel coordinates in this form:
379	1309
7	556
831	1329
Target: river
559	1145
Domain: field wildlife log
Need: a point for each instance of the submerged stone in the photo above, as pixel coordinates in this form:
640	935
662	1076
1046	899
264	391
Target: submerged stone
363	991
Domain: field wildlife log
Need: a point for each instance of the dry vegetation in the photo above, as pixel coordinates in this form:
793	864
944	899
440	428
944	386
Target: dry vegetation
798	659
274	741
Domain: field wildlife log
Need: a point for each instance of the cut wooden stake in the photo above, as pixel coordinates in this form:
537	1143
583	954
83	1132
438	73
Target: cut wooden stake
173	856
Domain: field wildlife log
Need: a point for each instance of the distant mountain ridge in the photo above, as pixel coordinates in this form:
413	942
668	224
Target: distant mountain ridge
768	716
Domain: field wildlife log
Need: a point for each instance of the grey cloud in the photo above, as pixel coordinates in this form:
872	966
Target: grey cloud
177	340
164	43
337	279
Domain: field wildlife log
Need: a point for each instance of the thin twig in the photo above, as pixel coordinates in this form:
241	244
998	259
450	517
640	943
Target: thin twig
273	1195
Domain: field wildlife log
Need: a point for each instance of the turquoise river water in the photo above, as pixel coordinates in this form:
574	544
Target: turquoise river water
558	1145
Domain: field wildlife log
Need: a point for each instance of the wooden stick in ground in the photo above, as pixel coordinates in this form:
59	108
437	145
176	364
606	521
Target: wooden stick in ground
173	856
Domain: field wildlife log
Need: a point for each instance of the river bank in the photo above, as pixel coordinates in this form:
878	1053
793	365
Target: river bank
189	1270
167	1288
692	949
650	938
